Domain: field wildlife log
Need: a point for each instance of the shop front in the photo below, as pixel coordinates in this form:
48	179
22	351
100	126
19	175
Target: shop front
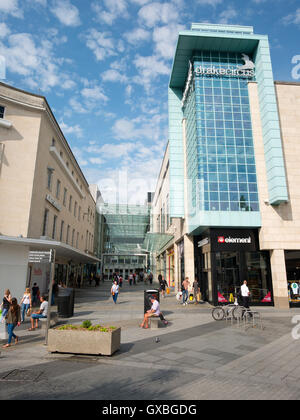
292	263
224	258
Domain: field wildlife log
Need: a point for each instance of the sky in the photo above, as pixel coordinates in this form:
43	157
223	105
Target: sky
104	67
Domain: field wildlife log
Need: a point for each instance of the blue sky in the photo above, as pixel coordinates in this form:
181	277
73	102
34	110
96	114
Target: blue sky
104	67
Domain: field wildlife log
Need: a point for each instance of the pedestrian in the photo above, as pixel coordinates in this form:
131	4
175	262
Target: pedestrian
25	304
154	311
130	279
150	277
196	291
91	278
141	276
13	319
185	290
245	292
120	281
78	281
115	291
134	278
42	313
163	284
5	304
97	280
35	294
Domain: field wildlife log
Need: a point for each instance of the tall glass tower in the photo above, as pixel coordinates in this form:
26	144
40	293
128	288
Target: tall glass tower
213	178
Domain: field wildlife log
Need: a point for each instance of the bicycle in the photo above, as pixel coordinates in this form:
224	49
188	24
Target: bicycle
227	311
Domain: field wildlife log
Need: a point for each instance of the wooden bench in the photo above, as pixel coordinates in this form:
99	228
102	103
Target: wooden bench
53	320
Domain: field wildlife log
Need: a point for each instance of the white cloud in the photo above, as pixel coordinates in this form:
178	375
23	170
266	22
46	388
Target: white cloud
137	36
112	10
141	128
165	39
209	2
155	13
11	7
71	129
41	2
66	13
4	30
112	75
36	62
149	68
227	16
94	94
293	18
102	44
97	161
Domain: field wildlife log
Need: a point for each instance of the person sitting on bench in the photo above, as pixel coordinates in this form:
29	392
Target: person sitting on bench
42	313
153	312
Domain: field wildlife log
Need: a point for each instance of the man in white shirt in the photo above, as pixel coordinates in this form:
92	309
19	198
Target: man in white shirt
42	313
245	294
154	311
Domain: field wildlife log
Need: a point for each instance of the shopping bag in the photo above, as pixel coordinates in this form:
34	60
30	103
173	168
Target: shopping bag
168	290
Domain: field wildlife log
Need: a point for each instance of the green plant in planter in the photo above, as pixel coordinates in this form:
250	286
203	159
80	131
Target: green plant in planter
86	324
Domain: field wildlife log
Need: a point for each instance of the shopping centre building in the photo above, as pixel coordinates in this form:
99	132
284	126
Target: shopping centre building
227	199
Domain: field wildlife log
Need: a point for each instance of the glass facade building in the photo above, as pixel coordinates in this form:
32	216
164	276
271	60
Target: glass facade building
212	152
220	152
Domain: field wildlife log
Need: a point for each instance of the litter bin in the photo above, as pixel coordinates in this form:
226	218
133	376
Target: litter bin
65	303
147	296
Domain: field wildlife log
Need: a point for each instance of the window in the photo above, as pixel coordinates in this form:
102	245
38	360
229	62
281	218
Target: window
68	234
75	209
49	178
79	213
53	143
65	197
54	227
58	183
73	236
2	110
70	203
77	239
61	231
45	222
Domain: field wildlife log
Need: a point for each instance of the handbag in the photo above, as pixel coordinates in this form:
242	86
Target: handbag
28	313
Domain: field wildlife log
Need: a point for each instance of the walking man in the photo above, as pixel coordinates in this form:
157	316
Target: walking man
185	290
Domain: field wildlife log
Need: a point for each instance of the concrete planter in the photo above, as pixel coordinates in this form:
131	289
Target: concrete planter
84	342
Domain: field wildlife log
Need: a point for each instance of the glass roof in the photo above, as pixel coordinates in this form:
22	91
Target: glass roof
154	242
127	226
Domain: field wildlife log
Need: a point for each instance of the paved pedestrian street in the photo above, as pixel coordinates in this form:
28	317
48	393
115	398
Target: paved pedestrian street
193	358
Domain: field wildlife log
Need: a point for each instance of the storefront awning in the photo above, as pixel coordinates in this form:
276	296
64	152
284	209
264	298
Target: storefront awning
62	250
154	242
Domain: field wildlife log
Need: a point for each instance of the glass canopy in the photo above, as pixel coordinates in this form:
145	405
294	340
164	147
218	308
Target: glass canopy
154	242
127	226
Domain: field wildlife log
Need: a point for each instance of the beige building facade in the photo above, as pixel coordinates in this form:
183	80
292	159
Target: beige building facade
43	192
